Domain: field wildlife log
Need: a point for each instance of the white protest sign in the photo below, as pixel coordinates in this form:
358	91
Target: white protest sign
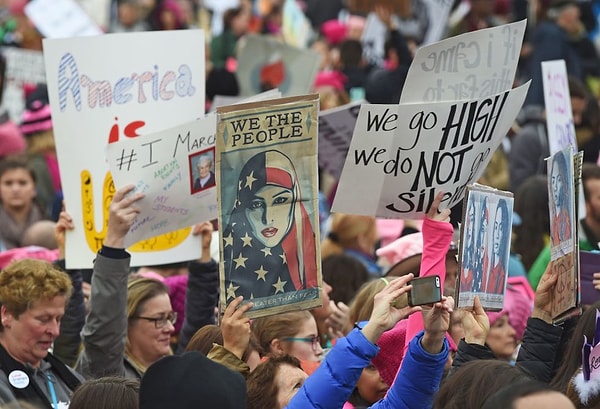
265	63
61	19
336	127
557	99
297	30
22	67
438	10
402	155
122	90
168	167
469	66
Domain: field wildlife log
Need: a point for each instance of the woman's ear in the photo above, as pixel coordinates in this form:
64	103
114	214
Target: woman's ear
276	347
6	317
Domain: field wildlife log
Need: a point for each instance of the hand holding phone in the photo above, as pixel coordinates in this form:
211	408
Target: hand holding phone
425	290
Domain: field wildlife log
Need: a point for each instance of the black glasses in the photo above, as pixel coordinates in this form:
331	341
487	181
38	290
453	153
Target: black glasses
315	341
161	321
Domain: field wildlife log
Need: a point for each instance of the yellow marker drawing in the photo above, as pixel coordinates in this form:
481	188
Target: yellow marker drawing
95	238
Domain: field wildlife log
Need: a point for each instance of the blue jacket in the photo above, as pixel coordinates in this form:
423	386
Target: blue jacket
330	386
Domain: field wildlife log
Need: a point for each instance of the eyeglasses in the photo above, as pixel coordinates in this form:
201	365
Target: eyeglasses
315	341
161	321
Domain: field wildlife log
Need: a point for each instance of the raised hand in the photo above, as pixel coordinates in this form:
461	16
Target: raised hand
476	323
64	223
204	229
542	304
385	315
338	322
436	321
122	212
235	327
434	213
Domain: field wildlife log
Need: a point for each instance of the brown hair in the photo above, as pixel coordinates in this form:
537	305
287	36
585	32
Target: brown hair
208	335
361	306
474	382
345	229
266	329
139	291
111	392
26	281
261	387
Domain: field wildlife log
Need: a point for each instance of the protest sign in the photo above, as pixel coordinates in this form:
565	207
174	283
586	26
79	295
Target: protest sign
268	210
22	67
139	90
297	30
61	19
438	10
401	155
484	247
469	66
175	169
265	63
336	126
564	173
557	100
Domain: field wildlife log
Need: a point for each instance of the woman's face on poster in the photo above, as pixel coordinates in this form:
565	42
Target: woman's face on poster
270	213
557	185
499	229
470	224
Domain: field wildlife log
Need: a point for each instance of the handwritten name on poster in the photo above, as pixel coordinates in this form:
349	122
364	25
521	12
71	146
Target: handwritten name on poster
175	169
401	155
559	116
469	66
96	101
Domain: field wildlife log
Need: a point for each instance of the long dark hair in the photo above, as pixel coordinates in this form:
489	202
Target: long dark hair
503	206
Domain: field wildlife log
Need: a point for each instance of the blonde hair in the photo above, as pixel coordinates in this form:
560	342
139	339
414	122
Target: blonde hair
361	306
345	229
279	326
41	142
139	292
26	281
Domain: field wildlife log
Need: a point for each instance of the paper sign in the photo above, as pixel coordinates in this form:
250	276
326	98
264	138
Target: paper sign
336	126
22	67
61	19
557	100
268	210
123	89
438	10
297	30
402	155
175	169
265	63
485	247
469	66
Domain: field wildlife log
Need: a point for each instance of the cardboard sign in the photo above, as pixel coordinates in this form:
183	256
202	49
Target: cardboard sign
557	99
268	210
401	155
95	102
485	247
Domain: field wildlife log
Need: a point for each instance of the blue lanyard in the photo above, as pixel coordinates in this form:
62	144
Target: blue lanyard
52	391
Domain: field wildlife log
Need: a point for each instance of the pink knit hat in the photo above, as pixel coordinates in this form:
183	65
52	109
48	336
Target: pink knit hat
11	139
36	118
402	248
330	78
334	31
33	252
518	306
391	344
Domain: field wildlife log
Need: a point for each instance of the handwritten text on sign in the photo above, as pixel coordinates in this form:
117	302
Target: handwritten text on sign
401	157
164	166
469	66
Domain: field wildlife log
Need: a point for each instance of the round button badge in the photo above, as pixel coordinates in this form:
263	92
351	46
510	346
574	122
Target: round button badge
18	379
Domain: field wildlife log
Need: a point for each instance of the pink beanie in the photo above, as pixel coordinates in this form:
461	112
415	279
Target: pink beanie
402	248
177	287
391	344
330	78
11	139
334	31
33	252
37	118
518	306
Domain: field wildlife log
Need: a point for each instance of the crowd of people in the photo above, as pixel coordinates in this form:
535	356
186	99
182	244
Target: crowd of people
124	337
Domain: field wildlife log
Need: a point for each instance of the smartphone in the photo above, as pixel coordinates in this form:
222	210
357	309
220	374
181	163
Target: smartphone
425	290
